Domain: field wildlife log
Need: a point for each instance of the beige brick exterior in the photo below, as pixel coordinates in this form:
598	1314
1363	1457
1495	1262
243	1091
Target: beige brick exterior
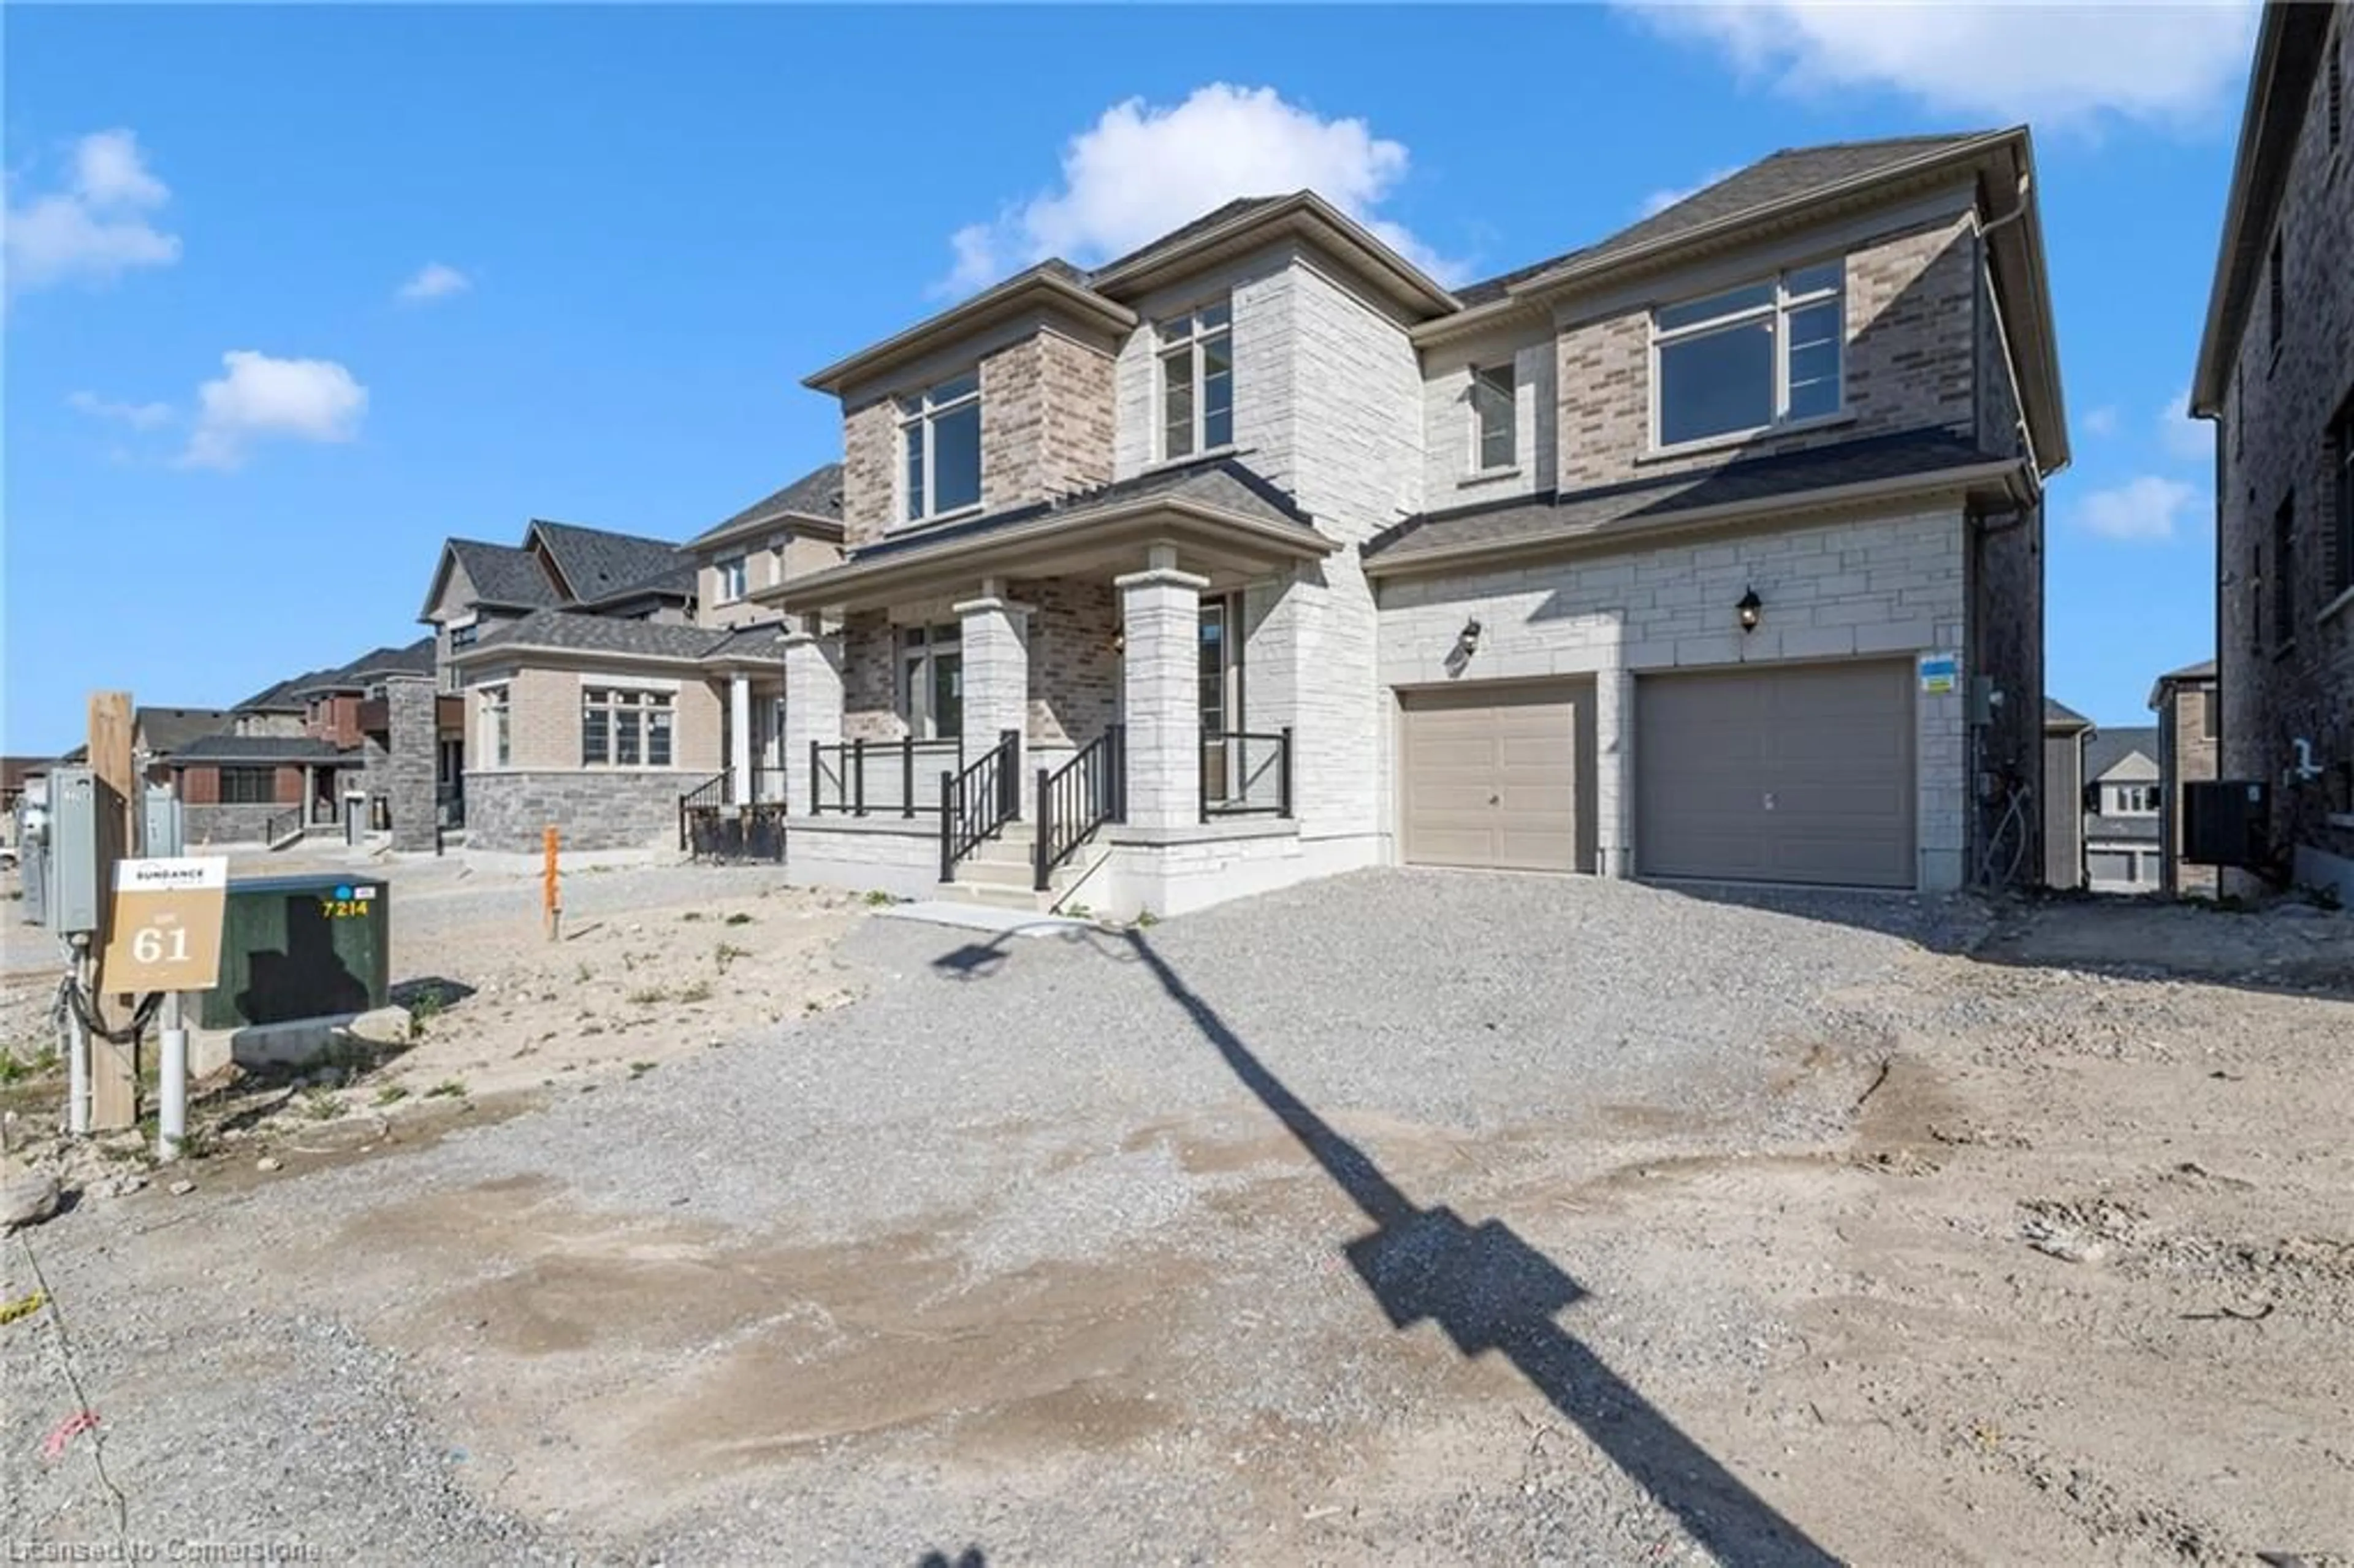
544	716
870	483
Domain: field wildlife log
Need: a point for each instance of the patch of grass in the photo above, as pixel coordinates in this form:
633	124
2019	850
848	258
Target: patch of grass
583	975
728	953
426	1006
1146	917
699	991
640	1069
391	1094
739	918
691	915
323	1105
647	996
15	1069
448	1089
877	898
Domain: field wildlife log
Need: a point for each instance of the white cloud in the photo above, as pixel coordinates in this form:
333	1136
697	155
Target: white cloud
264	399
2186	440
138	416
1143	169
96	227
1658	201
2011	59
434	281
2101	421
2141	510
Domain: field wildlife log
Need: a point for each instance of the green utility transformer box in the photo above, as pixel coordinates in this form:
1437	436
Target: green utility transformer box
302	946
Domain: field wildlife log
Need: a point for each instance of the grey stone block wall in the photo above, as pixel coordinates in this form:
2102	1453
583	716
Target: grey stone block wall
405	775
202	825
592	809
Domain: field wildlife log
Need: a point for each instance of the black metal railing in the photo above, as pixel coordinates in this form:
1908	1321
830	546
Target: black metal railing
1080	797
712	791
880	778
977	803
280	826
1246	775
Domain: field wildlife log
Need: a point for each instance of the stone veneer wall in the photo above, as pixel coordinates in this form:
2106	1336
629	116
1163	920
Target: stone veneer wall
405	775
592	809
213	824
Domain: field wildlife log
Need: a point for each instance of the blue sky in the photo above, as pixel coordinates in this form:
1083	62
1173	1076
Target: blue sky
294	294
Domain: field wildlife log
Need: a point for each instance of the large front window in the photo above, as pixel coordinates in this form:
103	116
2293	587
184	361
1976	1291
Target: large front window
498	729
931	682
249	786
939	438
1197	381
1750	359
623	729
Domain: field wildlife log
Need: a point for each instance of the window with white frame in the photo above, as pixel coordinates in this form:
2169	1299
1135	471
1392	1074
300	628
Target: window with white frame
1197	380
498	728
1494	427
1750	359
731	575
2132	800
931	682
939	444
620	728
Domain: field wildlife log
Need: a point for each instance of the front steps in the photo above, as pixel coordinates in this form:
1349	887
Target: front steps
1000	871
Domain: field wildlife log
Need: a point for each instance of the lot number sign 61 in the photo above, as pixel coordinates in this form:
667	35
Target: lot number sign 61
166	930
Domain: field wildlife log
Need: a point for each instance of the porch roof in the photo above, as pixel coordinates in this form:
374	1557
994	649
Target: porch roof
608	640
1218	513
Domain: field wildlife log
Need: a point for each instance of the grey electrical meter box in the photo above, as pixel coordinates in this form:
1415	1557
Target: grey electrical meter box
159	822
70	899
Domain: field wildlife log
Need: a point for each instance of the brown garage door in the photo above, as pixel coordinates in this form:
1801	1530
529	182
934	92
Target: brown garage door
1802	773
1499	777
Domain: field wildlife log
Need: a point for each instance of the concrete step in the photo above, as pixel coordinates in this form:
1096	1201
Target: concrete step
999	895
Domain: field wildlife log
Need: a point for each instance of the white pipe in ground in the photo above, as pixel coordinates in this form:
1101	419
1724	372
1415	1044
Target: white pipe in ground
172	1113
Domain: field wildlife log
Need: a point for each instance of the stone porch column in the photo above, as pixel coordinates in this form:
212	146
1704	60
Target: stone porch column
996	664
412	762
813	706
739	739
1160	612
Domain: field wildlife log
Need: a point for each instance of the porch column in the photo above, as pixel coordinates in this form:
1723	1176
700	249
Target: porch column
813	706
1160	614
739	738
996	664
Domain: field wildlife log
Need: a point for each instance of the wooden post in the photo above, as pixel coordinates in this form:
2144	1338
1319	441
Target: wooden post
551	901
114	1069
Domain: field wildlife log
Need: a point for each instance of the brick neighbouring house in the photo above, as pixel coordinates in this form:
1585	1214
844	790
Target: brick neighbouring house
1711	550
2275	373
2188	715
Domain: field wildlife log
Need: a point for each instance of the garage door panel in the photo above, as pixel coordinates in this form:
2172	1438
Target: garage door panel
1497	777
1796	773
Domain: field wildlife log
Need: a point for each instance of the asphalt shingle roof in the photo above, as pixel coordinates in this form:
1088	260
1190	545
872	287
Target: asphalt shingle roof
600	565
505	575
1628	507
2134	830
1793	172
817	493
2058	715
604	634
1224	483
1177	236
167	730
409	658
256	748
2110	746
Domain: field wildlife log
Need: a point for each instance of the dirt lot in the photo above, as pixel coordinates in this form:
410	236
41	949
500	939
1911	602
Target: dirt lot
1402	1218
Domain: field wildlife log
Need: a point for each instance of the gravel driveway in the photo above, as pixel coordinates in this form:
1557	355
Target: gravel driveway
1316	1228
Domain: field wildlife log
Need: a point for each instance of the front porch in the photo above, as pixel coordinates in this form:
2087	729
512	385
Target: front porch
1109	722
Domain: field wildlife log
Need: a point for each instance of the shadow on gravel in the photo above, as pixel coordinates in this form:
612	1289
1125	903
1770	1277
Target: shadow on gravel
1487	1289
971	1557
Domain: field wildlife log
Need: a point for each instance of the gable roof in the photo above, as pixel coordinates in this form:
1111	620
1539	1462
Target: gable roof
1239	208
256	748
2108	747
2202	674
506	575
2058	715
167	730
2288	54
598	565
815	494
1909	460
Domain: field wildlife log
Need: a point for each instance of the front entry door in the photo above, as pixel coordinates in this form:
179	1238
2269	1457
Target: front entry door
1222	696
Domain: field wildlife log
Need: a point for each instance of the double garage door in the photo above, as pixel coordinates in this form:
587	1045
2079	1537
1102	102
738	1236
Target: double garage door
1801	773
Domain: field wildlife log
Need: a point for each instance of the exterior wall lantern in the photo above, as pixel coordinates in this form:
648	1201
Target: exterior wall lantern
1750	608
1468	639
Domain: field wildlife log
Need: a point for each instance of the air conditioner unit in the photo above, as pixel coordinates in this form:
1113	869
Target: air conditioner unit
2227	822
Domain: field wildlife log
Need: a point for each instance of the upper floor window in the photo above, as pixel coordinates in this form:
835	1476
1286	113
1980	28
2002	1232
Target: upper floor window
1197	381
731	580
624	728
498	730
463	636
1495	441
939	435
2132	800
1750	359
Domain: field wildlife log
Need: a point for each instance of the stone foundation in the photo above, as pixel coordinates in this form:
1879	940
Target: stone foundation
590	809
202	825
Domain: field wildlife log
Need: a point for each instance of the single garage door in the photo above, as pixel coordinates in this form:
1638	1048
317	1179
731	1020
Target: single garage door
1499	777
1801	773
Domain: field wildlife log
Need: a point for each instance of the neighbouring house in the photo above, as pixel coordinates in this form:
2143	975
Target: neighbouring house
2065	730
2121	806
612	717
2187	703
2277	375
1710	550
158	734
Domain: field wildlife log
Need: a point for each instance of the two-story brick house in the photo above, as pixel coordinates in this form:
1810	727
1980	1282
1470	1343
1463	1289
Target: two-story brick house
1712	550
2277	375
